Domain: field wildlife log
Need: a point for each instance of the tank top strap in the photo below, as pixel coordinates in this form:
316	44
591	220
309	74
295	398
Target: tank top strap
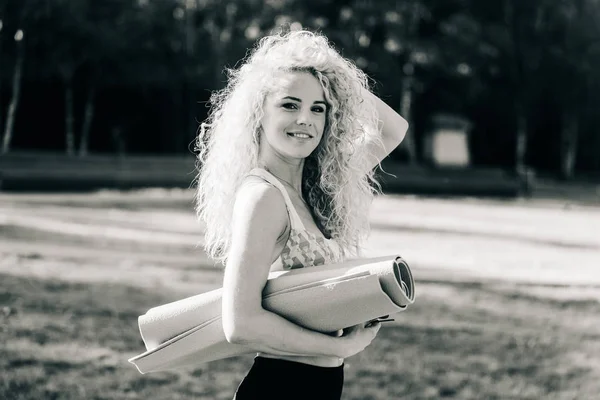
267	176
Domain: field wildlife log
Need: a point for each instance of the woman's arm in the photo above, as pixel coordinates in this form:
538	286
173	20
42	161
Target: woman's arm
259	218
393	130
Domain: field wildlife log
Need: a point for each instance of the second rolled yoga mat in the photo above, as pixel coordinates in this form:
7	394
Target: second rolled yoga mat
324	298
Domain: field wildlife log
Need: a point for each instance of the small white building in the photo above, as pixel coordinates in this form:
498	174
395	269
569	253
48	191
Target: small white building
446	141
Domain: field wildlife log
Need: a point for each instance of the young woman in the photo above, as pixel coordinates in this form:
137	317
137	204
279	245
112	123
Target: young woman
285	180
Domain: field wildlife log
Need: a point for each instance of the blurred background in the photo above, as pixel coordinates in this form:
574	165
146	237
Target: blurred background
492	198
503	85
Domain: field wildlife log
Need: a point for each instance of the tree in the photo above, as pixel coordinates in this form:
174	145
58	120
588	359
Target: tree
16	92
20	18
74	32
411	14
503	40
383	38
107	46
572	54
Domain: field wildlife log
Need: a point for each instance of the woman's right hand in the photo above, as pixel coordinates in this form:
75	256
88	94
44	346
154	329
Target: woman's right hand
356	338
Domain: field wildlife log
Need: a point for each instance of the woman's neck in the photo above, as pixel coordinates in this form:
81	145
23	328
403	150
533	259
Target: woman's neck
288	174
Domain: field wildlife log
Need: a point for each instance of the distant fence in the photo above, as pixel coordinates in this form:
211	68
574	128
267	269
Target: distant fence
44	171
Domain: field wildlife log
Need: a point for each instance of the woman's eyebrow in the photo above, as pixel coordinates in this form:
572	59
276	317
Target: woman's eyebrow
300	101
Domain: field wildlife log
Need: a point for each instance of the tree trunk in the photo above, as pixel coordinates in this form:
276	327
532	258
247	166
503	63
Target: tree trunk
69	119
1	73
576	98
221	38
521	146
519	73
187	135
569	139
14	101
87	120
405	110
406	100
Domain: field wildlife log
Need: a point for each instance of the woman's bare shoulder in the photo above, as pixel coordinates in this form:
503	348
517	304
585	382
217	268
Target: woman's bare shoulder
254	180
255	189
257	199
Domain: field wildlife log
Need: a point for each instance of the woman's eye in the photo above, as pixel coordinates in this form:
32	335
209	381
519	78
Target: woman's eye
289	106
319	109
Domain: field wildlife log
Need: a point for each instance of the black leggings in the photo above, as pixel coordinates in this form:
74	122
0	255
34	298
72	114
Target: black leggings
281	379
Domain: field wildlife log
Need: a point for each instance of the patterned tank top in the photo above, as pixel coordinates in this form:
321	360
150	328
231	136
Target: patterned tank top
303	248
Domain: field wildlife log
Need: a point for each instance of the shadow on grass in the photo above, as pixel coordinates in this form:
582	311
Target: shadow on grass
72	341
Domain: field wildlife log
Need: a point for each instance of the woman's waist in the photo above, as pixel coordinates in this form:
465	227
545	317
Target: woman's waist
317	361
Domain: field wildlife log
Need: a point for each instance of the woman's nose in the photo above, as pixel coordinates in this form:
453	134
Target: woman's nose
304	118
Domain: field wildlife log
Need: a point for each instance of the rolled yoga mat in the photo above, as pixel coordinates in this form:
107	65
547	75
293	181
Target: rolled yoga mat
324	298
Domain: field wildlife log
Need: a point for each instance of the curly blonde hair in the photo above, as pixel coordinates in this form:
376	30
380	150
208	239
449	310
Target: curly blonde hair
338	184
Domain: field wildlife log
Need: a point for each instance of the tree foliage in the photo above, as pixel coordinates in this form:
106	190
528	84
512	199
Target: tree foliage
135	74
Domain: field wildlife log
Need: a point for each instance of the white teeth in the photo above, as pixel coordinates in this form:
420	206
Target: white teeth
300	135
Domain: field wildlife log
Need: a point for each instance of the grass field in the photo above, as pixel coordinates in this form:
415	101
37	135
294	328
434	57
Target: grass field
508	298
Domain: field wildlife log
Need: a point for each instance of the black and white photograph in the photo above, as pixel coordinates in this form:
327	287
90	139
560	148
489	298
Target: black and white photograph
299	199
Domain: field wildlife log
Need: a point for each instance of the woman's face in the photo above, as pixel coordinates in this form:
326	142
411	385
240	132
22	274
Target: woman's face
294	117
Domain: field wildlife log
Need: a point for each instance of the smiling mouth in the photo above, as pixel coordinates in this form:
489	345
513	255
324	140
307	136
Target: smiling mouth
299	135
